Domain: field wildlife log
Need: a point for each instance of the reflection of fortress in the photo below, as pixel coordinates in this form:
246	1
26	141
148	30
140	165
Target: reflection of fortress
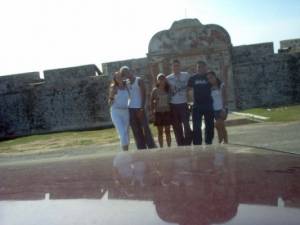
75	98
186	187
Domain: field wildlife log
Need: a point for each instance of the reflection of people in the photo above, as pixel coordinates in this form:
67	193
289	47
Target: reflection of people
202	105
186	188
127	171
207	196
218	94
137	116
160	108
181	175
180	113
118	99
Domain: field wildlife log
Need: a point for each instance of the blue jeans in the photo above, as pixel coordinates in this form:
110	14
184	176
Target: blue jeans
140	129
181	123
209	125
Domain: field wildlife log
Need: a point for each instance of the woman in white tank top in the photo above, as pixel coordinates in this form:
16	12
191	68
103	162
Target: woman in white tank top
219	105
135	101
118	100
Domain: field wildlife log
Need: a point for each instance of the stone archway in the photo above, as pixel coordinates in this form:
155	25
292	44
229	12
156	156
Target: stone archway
190	41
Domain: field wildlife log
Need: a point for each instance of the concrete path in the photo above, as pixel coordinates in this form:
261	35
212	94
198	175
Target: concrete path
277	136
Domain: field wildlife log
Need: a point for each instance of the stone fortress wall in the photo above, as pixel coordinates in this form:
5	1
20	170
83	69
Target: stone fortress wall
75	98
262	78
66	99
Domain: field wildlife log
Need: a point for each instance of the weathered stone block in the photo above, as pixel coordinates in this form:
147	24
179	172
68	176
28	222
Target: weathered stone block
71	73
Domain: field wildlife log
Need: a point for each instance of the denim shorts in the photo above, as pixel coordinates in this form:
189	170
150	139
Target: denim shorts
218	114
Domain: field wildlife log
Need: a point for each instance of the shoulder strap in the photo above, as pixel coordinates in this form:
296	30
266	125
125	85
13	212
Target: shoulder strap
222	85
138	80
126	86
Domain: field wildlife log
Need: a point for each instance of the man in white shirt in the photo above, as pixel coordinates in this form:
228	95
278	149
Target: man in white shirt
137	116
179	108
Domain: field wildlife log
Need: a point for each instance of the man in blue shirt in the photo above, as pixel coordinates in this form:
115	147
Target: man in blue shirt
202	106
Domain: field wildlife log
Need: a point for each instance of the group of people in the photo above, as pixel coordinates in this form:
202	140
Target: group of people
172	100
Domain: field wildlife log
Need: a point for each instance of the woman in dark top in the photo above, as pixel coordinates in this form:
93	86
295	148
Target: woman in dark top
160	108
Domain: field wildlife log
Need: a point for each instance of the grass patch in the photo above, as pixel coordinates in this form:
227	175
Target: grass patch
60	140
278	114
54	141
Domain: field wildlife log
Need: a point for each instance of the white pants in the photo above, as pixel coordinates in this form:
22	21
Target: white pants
120	118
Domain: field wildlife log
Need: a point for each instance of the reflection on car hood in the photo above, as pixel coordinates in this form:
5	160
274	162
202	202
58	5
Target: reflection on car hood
203	185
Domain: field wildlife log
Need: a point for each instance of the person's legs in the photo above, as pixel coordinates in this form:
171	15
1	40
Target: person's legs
125	121
185	118
177	124
147	132
136	128
160	136
224	132
197	122
118	121
209	127
168	135
218	126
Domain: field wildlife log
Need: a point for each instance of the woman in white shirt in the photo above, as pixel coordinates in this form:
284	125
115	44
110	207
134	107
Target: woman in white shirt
118	100
218	94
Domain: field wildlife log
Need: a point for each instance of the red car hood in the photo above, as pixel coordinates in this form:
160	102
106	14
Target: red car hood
193	185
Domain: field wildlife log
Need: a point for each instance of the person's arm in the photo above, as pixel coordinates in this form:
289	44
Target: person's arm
153	100
171	87
224	96
111	94
143	92
224	88
190	91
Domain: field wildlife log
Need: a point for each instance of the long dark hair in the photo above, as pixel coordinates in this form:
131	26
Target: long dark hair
167	86
114	82
219	82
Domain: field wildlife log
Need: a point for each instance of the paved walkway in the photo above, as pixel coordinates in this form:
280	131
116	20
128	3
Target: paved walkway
277	136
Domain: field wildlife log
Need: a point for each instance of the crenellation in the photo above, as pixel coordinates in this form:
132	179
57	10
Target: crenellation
68	74
247	53
15	82
290	46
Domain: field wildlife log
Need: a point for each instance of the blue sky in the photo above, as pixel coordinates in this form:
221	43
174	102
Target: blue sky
259	21
38	35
